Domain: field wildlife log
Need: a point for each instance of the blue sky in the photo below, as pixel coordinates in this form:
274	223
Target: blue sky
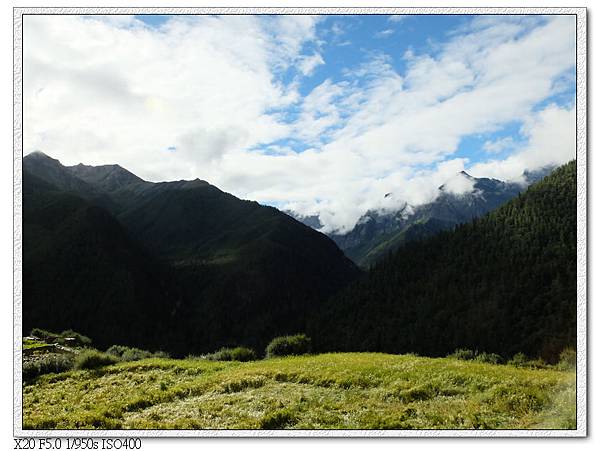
322	114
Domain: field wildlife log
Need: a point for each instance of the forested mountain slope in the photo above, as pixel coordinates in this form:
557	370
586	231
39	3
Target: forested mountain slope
82	270
182	257
504	283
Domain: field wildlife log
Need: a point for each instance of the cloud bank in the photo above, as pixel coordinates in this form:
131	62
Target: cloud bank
228	99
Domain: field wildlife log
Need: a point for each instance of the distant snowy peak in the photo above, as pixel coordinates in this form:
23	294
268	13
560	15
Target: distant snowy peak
460	199
460	183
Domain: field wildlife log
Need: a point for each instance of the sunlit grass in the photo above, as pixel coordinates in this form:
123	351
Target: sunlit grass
348	391
32	344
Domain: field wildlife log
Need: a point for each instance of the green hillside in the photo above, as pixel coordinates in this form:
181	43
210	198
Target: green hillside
328	391
505	283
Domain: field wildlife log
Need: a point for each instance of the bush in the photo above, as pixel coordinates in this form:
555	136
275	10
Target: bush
43	334
92	359
128	354
463	354
49	363
537	363
485	357
66	337
117	350
239	354
518	359
567	359
288	345
136	354
77	338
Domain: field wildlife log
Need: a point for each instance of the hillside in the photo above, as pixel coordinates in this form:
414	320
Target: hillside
56	176
329	391
82	269
228	271
504	283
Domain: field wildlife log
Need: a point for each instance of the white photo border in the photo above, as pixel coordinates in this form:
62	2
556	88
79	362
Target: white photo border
581	156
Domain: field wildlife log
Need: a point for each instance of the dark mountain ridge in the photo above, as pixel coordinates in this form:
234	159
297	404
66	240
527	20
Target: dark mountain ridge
107	178
81	268
227	271
52	172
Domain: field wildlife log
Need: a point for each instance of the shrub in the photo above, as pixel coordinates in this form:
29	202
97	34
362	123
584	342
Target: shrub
66	337
117	350
518	359
537	363
92	359
288	345
161	355
130	354
43	334
567	359
135	354
463	354
485	357
239	354
49	363
77	338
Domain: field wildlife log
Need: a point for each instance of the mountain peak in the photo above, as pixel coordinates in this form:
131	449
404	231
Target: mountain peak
465	174
38	155
108	177
196	183
460	183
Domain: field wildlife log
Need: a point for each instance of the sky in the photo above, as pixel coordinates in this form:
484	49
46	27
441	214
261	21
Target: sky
322	115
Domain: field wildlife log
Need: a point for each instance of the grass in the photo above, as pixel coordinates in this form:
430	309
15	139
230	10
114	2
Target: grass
33	344
327	391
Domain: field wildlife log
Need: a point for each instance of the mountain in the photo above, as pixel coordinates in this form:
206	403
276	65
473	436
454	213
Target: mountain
51	171
503	283
378	233
107	178
215	270
82	270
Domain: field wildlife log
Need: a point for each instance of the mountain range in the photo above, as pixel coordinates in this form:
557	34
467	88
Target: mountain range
187	268
379	232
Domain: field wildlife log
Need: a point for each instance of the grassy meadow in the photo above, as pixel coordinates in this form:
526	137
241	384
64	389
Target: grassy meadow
326	391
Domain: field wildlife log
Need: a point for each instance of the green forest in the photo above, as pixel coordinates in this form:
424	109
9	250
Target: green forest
504	283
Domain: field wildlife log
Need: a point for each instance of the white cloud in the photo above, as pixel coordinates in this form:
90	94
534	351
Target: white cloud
499	145
309	63
384	33
459	184
551	141
100	93
105	93
397	17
